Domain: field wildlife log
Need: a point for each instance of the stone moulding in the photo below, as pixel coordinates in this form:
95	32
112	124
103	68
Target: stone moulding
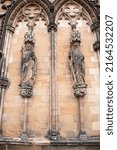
91	141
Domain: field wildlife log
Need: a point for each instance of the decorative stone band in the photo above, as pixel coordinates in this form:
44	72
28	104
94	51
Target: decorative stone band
96	46
79	90
4	82
26	91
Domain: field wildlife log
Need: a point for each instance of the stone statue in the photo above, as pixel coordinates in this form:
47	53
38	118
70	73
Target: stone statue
77	63
28	66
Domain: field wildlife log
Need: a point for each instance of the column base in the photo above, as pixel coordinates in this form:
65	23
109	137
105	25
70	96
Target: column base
82	135
24	137
53	135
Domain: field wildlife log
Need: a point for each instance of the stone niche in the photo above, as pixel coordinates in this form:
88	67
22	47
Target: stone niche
67	102
38	104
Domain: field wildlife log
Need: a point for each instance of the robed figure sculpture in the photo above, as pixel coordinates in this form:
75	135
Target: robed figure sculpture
77	64
28	66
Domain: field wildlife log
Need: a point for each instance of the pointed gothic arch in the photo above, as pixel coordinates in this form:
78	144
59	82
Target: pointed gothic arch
13	10
86	4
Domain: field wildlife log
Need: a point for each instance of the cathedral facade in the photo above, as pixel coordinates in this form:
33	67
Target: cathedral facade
49	74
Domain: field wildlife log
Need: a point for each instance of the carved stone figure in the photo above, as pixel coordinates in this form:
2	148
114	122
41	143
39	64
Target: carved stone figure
28	66
77	63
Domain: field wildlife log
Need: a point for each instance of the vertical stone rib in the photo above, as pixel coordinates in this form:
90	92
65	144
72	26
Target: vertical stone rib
25	115
24	134
53	86
1	108
8	53
53	132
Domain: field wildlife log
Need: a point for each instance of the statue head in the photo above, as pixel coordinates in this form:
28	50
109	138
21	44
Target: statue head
28	46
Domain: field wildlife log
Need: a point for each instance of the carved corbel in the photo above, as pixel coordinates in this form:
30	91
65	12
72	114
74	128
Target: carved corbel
77	63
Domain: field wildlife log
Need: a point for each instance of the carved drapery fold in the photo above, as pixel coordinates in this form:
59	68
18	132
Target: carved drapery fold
77	65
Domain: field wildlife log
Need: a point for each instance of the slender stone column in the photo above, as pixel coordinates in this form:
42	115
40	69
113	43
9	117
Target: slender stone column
82	133
24	134
4	67
53	131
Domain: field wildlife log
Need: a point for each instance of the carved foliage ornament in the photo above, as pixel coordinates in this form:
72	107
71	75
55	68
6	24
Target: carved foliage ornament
77	65
28	66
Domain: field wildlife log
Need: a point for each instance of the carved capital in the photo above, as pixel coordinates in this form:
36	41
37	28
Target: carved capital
53	135
80	90
10	28
26	91
52	26
95	26
4	82
96	46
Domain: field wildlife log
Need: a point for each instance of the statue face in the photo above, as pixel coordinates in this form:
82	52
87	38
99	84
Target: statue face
76	45
28	46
